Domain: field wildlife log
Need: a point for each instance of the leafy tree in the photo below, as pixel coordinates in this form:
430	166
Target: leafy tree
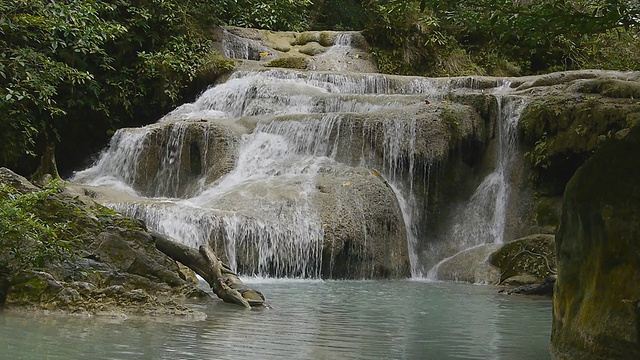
39	46
270	14
73	70
338	15
539	33
406	40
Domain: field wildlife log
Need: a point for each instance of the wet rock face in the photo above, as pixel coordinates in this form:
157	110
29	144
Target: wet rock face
116	268
571	115
596	313
350	228
364	232
174	156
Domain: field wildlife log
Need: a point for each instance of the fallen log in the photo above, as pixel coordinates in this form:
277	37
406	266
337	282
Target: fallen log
203	261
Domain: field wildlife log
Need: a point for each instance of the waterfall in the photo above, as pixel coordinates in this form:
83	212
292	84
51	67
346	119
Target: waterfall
286	132
117	165
481	220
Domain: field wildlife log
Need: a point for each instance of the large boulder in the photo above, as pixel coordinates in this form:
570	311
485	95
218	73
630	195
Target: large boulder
596	307
168	158
343	223
470	266
364	231
115	268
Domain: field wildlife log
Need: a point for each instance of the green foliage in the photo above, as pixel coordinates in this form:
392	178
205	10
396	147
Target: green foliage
270	14
541	34
27	240
615	49
39	44
76	69
406	40
411	40
538	157
338	15
504	38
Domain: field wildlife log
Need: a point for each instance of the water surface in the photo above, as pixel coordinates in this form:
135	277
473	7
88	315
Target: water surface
309	320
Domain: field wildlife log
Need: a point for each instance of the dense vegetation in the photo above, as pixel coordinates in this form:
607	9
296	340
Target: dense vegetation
72	71
28	241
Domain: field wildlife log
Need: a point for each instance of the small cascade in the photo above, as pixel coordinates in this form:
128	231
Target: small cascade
168	178
117	166
337	57
481	220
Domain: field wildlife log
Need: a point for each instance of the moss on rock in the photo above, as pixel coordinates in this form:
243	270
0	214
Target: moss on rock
107	250
563	130
596	311
531	257
312	49
288	62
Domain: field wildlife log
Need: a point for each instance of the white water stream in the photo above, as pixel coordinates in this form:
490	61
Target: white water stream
482	218
293	127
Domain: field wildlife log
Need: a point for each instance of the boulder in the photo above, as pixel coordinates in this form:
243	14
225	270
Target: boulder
364	231
167	158
470	266
596	305
115	268
344	223
528	260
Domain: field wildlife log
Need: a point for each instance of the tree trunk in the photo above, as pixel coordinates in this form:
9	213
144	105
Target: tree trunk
204	262
48	170
5	284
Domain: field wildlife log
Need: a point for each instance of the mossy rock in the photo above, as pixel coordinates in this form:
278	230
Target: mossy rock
288	62
324	38
597	298
563	131
547	212
613	88
312	49
533	255
106	249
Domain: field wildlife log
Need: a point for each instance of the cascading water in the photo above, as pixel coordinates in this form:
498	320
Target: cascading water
482	218
286	135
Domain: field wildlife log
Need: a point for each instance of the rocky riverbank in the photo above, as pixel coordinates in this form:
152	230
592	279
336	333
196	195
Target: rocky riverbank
114	268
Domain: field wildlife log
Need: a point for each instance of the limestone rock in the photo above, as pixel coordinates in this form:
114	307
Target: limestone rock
364	231
596	311
527	260
116	268
470	266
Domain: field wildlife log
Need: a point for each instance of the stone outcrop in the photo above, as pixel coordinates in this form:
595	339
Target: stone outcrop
255	49
570	115
364	232
116	269
596	303
471	266
528	260
174	156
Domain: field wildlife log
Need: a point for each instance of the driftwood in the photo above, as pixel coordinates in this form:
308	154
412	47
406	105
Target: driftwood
204	262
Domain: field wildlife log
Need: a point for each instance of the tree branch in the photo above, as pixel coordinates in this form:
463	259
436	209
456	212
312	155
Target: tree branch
223	281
